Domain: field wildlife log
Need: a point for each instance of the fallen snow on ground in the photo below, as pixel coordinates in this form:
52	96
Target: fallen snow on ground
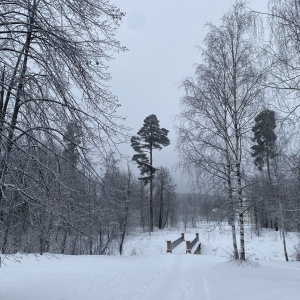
147	272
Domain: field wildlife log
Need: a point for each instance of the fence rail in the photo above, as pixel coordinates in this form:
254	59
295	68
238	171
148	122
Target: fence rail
171	245
190	245
177	242
198	249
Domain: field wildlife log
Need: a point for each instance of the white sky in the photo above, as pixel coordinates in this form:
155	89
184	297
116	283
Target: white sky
161	36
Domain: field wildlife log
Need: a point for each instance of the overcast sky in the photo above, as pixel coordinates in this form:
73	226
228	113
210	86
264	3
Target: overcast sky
161	36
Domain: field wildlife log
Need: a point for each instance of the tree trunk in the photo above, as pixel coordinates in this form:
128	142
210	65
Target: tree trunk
75	243
48	239
241	221
64	242
283	231
142	201
230	196
7	229
167	215
161	206
151	192
126	213
91	246
239	192
42	233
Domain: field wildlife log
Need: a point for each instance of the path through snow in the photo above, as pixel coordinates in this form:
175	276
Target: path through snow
155	275
167	276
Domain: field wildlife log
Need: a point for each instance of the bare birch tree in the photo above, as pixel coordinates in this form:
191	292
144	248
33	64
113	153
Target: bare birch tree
220	104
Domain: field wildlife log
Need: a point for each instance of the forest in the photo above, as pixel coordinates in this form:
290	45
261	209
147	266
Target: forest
65	187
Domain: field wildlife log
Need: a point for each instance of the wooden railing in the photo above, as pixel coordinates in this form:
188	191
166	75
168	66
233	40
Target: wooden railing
190	245
198	249
171	245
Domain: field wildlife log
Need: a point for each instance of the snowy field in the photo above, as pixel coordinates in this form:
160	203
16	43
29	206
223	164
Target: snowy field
147	272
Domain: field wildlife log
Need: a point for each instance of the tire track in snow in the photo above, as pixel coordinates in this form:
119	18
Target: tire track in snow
175	277
140	290
174	283
198	270
206	288
186	290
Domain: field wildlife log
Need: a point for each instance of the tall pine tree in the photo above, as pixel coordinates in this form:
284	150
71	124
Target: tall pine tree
149	137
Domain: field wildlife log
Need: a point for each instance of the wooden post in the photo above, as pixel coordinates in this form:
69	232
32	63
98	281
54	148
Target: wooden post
197	235
169	247
182	236
188	247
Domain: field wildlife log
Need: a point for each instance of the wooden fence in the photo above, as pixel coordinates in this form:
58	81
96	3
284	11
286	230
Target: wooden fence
190	245
171	245
198	249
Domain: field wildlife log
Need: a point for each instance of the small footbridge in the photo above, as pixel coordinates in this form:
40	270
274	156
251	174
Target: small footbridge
190	246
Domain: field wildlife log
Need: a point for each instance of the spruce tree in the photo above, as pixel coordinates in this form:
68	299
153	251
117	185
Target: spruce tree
149	137
265	138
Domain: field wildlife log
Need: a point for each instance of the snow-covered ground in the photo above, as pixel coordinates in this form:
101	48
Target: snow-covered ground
147	272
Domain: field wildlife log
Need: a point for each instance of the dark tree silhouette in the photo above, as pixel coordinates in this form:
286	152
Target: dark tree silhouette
265	138
149	137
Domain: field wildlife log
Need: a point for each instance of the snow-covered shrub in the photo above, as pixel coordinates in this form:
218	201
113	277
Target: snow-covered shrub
133	251
297	252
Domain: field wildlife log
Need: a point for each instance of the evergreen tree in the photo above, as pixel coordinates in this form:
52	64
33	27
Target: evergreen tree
72	139
149	137
265	138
